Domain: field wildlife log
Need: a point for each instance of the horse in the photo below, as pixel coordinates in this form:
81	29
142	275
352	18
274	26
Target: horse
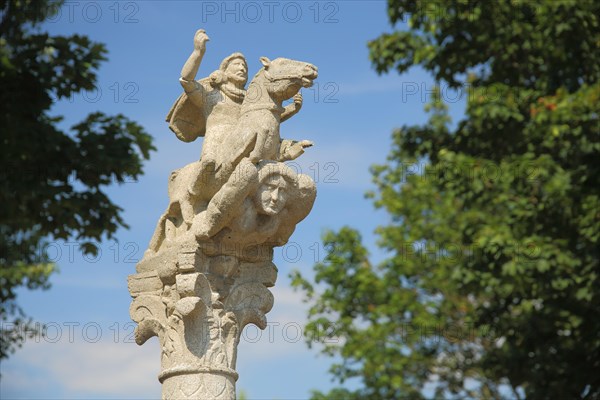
256	134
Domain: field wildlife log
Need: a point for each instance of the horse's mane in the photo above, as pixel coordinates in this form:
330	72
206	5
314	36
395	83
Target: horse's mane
256	81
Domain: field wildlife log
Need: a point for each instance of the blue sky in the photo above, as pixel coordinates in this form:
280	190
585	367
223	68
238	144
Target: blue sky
349	114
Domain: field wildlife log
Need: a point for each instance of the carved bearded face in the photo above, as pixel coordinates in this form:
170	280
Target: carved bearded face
237	72
271	196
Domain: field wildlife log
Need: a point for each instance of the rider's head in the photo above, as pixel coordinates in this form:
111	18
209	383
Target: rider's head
233	69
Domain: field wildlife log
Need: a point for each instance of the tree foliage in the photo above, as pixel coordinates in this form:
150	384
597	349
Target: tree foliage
492	286
52	181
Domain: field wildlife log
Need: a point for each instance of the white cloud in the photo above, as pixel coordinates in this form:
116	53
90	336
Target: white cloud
79	370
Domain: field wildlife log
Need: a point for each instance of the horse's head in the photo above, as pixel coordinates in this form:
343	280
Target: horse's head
286	77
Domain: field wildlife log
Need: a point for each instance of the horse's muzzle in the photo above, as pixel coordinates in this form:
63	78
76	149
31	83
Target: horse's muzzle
309	74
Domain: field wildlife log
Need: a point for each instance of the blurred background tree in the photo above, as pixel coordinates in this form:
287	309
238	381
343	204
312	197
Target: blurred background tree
492	285
52	181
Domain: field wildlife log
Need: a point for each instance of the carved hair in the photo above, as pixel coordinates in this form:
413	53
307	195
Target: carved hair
230	58
270	168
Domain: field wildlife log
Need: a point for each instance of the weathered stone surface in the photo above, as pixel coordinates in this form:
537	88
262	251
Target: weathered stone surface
209	263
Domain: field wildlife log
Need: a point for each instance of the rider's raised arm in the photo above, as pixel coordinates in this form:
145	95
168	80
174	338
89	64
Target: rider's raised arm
190	68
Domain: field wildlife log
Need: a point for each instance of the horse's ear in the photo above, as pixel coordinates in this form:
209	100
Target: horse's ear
265	62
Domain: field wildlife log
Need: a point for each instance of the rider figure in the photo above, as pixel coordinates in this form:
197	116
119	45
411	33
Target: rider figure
213	102
219	97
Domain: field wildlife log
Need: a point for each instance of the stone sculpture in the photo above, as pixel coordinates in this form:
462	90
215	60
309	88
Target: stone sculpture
209	263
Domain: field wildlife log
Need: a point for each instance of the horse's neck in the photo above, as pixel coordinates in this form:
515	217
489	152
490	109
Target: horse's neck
258	97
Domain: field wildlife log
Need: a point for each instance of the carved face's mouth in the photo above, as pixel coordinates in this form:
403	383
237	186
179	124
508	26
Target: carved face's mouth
273	208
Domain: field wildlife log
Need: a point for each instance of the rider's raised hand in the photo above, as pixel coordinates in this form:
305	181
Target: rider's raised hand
200	39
